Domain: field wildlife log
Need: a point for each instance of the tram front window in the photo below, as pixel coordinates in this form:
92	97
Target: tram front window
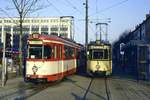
35	52
100	54
97	54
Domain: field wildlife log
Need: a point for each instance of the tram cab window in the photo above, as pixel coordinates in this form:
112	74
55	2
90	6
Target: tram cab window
97	54
100	54
47	52
35	52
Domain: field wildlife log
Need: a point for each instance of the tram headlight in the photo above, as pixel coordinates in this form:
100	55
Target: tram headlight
34	69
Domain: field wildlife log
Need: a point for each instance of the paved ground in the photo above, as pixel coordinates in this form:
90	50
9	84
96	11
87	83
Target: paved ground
76	87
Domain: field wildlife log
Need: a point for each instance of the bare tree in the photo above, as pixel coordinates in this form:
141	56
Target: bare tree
23	7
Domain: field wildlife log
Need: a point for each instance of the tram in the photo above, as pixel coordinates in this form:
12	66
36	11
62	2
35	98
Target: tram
99	61
50	58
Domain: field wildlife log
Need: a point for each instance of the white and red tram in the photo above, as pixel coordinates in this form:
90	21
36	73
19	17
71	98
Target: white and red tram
50	58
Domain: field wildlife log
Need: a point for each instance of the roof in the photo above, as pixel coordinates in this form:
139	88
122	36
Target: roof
136	43
55	38
97	42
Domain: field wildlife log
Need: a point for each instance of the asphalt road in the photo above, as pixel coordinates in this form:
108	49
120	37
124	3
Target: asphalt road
77	87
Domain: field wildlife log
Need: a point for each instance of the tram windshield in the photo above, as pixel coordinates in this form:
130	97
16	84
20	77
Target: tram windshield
100	54
39	52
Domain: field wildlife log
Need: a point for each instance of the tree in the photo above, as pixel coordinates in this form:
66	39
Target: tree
23	7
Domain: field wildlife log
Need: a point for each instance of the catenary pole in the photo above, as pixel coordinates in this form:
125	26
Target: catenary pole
86	24
3	61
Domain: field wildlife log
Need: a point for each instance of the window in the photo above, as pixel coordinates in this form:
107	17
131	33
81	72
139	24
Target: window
69	52
55	52
47	52
44	29
54	29
63	29
7	28
63	35
98	54
60	52
53	33
35	28
35	52
26	29
66	52
105	54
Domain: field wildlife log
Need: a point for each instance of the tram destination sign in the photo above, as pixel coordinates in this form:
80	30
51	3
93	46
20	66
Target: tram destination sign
35	42
98	47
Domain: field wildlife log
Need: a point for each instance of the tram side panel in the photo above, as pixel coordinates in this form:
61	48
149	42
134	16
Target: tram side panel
45	70
69	62
50	58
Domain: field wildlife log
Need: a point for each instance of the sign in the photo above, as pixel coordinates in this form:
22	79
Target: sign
35	42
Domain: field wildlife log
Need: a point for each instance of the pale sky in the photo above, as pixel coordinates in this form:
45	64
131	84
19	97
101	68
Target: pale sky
124	14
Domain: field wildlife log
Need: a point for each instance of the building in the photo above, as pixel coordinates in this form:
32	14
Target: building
135	59
60	26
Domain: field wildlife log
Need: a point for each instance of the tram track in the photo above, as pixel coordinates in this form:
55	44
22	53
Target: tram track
107	90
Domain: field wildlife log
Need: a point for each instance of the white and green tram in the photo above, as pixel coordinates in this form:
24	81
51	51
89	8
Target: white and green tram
99	58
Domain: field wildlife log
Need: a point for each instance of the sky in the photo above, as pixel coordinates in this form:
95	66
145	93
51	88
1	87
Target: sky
124	14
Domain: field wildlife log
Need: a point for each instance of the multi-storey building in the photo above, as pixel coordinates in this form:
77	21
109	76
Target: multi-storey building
61	26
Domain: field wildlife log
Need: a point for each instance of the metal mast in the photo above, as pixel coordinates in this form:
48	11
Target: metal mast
86	24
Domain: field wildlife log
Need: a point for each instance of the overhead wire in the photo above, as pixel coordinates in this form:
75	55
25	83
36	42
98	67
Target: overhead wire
110	7
73	6
55	7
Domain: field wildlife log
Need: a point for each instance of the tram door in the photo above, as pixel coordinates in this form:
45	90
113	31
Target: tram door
143	64
60	63
58	56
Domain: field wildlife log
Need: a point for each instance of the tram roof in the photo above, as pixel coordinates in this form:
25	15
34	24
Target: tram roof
98	43
56	38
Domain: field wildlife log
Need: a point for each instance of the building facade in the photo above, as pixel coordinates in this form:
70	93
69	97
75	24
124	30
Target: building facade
60	26
135	59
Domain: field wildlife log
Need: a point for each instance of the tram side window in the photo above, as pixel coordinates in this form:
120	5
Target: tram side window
89	54
55	52
66	52
105	54
47	52
69	52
